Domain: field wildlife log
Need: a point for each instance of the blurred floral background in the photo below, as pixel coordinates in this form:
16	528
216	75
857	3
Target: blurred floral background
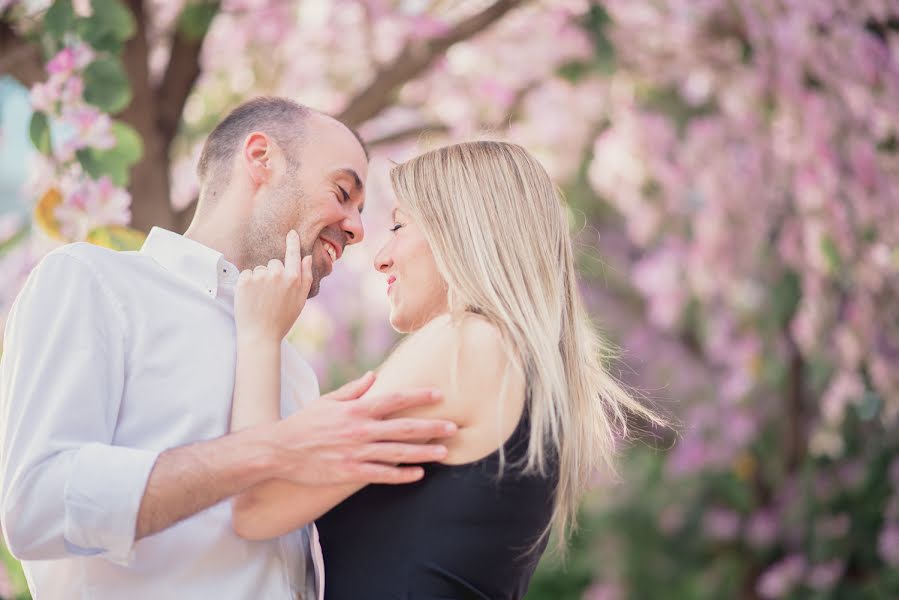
732	171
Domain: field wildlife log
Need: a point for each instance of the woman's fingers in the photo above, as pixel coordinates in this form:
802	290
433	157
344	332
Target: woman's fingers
306	277
292	254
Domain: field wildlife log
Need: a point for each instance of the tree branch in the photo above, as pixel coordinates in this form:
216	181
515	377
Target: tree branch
177	83
403	134
414	59
20	57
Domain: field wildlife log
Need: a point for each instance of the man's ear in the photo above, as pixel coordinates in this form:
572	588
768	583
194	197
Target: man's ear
257	157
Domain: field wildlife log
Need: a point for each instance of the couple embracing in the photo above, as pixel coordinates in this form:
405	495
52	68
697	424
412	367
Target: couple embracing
160	439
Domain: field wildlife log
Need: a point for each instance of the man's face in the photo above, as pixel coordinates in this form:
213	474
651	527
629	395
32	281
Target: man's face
322	199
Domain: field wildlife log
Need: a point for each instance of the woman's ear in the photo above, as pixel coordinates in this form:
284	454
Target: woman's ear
257	157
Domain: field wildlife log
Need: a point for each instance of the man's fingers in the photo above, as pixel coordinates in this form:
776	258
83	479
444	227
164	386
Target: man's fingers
353	389
378	473
398	453
292	254
410	430
386	405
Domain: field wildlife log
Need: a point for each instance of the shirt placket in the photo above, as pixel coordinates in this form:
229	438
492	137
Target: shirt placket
319	562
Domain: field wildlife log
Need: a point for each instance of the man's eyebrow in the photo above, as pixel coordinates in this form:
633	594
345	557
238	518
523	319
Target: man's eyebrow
352	174
358	186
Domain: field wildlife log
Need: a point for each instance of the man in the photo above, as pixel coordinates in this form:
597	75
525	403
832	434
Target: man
118	371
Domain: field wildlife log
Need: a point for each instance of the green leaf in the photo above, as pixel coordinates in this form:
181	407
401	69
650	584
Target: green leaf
115	162
110	24
832	254
195	19
60	18
129	145
117	237
870	406
785	298
39	131
106	86
12	241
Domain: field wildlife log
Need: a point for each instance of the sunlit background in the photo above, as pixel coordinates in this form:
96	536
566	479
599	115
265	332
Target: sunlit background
732	174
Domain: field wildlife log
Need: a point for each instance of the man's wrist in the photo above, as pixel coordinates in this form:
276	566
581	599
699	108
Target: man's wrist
260	459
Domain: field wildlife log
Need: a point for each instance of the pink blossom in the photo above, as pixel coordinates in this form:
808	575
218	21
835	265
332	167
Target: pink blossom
888	544
833	526
72	90
70	59
660	277
604	591
721	524
92	128
89	203
845	388
823	576
762	528
780	578
425	27
671	519
45	95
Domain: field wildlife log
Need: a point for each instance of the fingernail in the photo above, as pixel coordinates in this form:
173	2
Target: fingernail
440	451
450	428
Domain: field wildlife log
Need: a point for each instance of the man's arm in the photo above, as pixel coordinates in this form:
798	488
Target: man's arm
329	443
66	490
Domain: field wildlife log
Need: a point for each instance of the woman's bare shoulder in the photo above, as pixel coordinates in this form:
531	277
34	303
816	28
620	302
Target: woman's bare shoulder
466	358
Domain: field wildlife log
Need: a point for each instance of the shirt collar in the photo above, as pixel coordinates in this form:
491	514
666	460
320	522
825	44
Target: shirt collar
197	264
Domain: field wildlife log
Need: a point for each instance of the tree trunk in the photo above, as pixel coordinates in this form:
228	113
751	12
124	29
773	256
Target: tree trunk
150	177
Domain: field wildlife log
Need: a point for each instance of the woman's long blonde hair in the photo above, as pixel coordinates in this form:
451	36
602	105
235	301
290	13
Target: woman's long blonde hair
498	229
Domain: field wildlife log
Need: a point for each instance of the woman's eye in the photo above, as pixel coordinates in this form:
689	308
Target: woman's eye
396	226
343	196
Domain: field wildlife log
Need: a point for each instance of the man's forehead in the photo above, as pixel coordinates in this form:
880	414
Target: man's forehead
335	140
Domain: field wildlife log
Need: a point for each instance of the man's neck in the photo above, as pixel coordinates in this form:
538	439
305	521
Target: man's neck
216	238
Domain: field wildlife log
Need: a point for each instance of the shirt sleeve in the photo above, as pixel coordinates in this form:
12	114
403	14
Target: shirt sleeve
64	487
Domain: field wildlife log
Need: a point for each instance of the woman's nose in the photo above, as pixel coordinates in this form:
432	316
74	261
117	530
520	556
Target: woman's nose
383	261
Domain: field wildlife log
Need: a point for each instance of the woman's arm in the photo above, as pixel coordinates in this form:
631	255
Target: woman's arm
268	301
472	401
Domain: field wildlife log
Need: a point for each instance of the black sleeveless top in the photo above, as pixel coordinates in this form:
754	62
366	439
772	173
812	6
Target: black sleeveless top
462	532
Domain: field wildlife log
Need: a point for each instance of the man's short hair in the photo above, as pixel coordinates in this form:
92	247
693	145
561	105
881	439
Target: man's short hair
282	119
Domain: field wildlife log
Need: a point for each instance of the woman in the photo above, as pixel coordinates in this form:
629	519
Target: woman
480	272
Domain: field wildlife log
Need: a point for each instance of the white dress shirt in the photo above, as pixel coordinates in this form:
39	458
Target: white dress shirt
110	358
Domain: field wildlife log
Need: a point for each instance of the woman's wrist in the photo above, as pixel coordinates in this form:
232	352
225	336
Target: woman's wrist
257	336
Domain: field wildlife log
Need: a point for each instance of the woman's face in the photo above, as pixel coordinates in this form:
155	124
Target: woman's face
417	291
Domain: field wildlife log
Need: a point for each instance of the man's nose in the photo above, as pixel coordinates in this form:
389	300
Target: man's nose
352	227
